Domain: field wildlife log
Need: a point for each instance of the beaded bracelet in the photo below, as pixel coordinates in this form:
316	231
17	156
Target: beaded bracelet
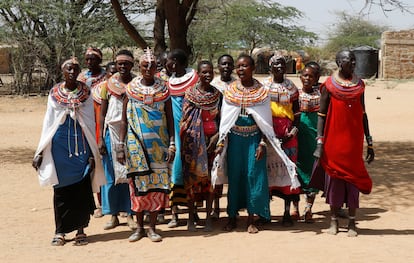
369	139
319	139
263	143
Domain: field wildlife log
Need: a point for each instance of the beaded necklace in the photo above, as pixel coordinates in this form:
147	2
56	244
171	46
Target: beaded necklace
157	92
244	97
206	100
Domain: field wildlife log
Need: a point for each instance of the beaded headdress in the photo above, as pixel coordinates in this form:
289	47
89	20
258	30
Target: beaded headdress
148	56
276	56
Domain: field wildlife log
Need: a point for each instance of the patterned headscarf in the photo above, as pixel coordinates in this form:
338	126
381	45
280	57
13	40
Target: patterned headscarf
72	60
276	56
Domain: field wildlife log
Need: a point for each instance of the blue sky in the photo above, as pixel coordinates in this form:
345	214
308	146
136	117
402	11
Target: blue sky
320	14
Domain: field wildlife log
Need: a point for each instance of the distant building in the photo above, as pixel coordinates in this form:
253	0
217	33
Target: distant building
5	59
397	55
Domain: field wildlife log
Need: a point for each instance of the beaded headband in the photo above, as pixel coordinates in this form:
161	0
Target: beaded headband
124	58
93	51
72	60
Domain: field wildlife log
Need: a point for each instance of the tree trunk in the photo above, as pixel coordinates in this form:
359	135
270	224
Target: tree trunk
129	28
176	15
159	29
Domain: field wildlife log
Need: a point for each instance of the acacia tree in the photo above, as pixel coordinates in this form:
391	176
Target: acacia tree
46	32
247	25
353	31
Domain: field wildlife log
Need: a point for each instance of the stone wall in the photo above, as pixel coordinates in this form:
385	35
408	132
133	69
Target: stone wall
397	55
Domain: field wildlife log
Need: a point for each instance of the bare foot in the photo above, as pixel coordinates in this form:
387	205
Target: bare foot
333	229
352	229
252	229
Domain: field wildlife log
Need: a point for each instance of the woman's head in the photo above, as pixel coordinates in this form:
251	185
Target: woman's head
205	71
148	64
124	61
225	64
277	64
245	67
176	60
71	70
308	77
315	65
93	58
346	62
110	69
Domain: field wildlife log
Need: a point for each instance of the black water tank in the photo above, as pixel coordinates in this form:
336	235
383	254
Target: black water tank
366	61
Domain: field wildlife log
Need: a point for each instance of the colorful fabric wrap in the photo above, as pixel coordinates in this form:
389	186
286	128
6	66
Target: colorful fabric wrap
195	159
282	96
344	124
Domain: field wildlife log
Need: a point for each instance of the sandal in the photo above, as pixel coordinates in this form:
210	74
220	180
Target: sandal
58	240
307	216
137	235
81	240
154	237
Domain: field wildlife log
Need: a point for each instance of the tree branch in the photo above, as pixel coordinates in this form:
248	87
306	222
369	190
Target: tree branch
129	28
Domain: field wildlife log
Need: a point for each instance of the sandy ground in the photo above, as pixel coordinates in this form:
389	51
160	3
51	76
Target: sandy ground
385	219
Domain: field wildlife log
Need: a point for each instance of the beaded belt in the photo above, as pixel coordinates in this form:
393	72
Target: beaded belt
245	131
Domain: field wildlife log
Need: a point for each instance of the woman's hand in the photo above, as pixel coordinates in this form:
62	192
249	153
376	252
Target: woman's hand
318	151
37	161
91	161
171	154
370	154
102	147
260	152
213	142
120	157
120	152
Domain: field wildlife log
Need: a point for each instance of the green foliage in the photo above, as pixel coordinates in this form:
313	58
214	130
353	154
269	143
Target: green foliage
224	25
47	32
353	31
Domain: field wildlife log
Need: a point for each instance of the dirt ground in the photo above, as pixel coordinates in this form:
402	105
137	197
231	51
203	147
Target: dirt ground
385	219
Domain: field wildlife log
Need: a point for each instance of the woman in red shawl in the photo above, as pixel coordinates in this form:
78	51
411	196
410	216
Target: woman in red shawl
342	124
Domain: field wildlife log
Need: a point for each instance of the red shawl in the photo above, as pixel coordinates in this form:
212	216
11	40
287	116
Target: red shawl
344	135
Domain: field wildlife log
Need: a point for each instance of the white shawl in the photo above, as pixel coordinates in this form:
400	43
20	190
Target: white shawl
262	115
55	116
113	122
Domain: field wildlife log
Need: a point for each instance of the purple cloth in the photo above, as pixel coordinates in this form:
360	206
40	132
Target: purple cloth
339	192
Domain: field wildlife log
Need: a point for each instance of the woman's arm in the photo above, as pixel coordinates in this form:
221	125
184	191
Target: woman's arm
171	131
324	106
104	109
120	148
370	151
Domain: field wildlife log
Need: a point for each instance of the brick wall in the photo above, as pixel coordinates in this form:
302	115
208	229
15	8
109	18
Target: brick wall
397	54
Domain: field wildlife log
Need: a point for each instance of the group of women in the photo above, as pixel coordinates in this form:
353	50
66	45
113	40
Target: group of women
148	143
